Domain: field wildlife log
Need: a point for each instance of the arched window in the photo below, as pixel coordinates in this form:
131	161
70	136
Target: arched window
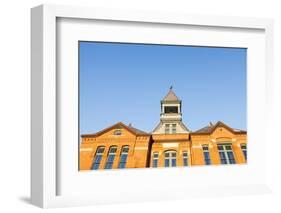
98	157
110	157
123	157
117	132
185	158
170	158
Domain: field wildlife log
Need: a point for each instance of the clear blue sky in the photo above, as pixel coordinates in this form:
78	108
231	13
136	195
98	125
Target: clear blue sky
125	82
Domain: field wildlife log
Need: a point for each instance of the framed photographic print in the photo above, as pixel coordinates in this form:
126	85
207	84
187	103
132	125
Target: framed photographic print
130	106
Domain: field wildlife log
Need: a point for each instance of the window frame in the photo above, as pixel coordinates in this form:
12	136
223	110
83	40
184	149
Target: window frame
225	152
244	150
167	128
185	158
172	109
117	131
155	159
206	154
97	154
174	128
121	160
170	128
172	160
109	164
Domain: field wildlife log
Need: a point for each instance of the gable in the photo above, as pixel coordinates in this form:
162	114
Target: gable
116	132
222	132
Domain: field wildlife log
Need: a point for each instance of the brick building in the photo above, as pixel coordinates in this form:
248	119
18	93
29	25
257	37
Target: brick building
170	144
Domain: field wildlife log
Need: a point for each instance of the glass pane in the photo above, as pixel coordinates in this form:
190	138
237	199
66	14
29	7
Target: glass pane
155	155
166	162
222	155
232	161
117	132
108	165
228	147
95	166
231	157
174	154
125	150
167	154
243	146
206	155
123	158
113	150
184	154
155	163
98	158
205	148
185	162
174	162
223	158
100	150
207	158
171	109
122	165
110	158
220	147
245	154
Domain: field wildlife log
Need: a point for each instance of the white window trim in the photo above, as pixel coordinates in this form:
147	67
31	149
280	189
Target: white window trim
170	158
226	151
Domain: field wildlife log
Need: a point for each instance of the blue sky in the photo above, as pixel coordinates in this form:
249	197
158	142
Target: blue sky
125	82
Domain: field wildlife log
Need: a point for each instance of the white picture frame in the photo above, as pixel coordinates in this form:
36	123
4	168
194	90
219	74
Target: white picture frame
47	167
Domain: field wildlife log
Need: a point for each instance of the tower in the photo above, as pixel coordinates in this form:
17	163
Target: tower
171	115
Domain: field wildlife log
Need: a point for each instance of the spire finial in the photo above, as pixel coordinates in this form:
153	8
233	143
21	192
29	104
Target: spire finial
171	87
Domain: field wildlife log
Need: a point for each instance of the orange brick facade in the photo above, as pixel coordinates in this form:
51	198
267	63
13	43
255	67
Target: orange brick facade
170	144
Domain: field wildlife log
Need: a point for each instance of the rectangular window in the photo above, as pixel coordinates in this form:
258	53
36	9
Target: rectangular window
206	154
167	164
167	128
171	109
170	128
226	154
174	128
174	162
170	159
155	159
185	158
223	157
244	150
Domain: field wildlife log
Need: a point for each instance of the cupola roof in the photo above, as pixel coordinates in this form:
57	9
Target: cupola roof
171	96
